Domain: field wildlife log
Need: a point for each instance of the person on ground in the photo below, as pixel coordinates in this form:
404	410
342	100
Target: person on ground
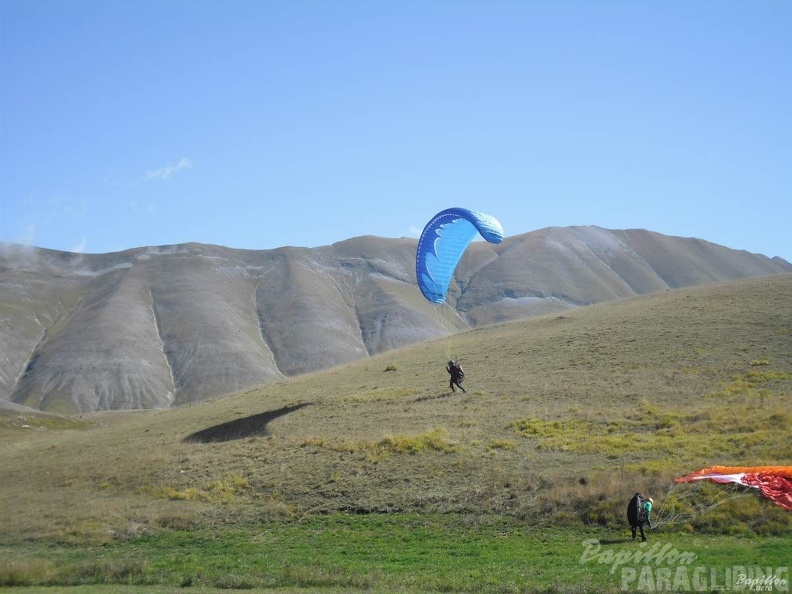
647	505
457	375
637	514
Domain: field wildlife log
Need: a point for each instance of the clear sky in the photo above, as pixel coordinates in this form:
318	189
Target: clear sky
262	123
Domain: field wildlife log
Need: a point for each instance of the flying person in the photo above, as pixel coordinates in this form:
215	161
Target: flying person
442	242
457	375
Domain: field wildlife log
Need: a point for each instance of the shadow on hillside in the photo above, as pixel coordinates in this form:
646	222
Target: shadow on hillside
241	428
434	396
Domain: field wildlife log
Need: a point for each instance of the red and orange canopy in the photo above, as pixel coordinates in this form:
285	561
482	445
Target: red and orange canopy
773	482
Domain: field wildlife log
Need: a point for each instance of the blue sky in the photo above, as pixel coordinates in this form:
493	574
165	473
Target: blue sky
263	123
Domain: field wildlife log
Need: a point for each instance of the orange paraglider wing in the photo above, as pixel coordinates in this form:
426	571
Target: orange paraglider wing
773	482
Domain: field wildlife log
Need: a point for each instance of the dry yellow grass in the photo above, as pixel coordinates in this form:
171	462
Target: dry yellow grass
590	405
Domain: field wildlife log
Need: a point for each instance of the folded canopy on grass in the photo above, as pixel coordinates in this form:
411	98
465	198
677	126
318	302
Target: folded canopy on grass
773	482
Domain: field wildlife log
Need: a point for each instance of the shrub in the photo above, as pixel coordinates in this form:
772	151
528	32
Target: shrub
103	571
434	439
216	492
501	444
24	573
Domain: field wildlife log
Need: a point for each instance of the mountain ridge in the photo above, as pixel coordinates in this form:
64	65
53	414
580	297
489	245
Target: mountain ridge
164	326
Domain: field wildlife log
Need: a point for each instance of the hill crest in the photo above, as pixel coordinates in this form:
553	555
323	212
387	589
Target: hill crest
164	326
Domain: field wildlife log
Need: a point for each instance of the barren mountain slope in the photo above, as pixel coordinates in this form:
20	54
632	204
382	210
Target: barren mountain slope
162	326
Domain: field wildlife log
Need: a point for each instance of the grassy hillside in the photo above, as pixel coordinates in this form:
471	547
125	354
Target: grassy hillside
374	476
566	416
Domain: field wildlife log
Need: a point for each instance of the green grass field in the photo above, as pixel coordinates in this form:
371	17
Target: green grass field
396	553
373	476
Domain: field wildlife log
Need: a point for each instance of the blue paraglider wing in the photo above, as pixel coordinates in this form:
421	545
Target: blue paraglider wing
442	243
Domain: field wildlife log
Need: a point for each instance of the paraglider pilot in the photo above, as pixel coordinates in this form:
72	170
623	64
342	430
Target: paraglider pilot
457	375
638	510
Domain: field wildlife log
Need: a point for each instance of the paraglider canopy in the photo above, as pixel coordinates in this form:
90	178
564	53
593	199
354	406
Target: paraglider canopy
442	243
773	482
